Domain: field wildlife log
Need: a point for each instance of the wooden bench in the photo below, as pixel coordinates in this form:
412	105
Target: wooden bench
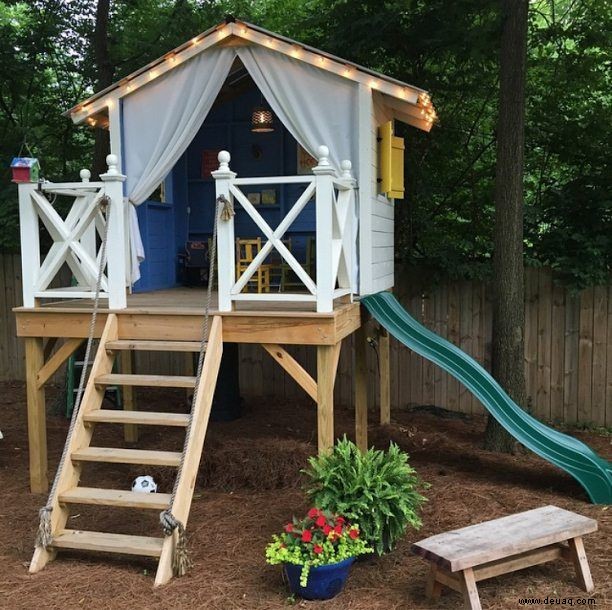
461	558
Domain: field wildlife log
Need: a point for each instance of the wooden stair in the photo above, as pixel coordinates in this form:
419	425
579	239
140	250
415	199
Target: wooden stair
81	451
114	497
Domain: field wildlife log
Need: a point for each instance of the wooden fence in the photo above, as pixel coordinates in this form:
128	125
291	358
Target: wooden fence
568	349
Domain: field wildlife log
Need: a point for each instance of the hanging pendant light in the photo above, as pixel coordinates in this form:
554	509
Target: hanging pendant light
262	120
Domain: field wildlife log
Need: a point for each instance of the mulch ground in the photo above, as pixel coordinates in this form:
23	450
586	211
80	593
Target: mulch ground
249	485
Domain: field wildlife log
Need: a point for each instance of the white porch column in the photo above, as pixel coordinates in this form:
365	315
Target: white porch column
226	253
30	243
116	250
324	175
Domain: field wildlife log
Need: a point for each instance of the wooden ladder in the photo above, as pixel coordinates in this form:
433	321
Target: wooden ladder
80	451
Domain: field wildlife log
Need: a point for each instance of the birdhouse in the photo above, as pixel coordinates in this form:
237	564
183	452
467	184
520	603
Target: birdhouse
25	169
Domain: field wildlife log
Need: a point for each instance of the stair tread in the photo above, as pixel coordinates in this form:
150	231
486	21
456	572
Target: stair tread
115	455
137	417
153	346
111	543
163	381
115	497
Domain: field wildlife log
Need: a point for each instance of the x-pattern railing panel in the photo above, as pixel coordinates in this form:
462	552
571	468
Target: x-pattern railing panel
274	239
66	234
342	200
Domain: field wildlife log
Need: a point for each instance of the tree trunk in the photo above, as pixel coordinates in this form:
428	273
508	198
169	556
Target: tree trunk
106	72
508	272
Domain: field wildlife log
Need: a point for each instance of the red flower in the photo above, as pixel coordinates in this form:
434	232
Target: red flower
327	529
321	521
306	536
340	520
354	533
289	527
338	529
313	513
317	549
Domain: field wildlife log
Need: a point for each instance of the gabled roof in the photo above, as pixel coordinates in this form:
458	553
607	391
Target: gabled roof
410	104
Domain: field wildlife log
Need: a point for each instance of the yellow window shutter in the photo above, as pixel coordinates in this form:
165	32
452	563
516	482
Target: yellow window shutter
391	162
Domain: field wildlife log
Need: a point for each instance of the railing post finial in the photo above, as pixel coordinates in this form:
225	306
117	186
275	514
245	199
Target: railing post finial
323	155
224	158
113	163
346	166
85	175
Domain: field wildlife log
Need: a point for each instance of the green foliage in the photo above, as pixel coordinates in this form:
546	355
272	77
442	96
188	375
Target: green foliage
320	539
377	489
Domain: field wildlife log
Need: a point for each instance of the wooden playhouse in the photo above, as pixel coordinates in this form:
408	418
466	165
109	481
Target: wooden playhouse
290	153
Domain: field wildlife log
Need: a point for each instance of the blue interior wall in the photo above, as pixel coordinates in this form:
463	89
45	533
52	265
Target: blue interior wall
191	196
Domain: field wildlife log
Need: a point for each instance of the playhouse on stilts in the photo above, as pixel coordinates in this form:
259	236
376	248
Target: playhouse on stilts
287	155
267	171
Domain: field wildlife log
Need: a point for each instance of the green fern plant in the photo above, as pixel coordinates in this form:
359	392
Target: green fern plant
377	489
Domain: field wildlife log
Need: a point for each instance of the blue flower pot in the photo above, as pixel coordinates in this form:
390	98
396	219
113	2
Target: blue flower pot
324	582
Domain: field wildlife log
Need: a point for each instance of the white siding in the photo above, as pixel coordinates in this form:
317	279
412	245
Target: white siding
376	212
382	210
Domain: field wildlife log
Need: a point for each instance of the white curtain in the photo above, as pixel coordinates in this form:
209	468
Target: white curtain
316	106
160	121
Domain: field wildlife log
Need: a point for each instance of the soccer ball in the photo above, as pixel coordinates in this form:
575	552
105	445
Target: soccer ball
144	484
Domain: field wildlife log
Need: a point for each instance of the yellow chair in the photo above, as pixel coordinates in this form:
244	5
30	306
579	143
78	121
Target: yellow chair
289	280
246	251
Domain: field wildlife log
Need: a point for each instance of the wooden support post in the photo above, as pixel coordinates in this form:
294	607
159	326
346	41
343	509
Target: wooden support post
37	424
579	558
433	587
361	388
384	365
130	431
189	371
325	396
469	589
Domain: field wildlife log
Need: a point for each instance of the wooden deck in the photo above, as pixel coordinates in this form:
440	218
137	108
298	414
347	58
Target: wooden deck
177	314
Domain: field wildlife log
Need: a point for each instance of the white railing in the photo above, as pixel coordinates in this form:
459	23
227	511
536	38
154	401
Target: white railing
334	198
76	238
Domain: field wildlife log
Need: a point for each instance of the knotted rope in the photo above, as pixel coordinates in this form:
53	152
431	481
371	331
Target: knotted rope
44	536
169	523
228	208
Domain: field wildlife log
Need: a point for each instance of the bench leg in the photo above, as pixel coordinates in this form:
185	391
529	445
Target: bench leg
433	587
581	565
469	589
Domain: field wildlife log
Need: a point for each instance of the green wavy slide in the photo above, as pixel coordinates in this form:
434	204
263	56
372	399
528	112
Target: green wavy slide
568	453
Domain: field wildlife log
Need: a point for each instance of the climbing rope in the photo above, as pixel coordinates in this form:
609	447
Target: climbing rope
169	523
44	536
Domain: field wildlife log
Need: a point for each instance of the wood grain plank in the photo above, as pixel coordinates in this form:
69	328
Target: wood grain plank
585	357
531	336
598	370
570	360
542	397
557	353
